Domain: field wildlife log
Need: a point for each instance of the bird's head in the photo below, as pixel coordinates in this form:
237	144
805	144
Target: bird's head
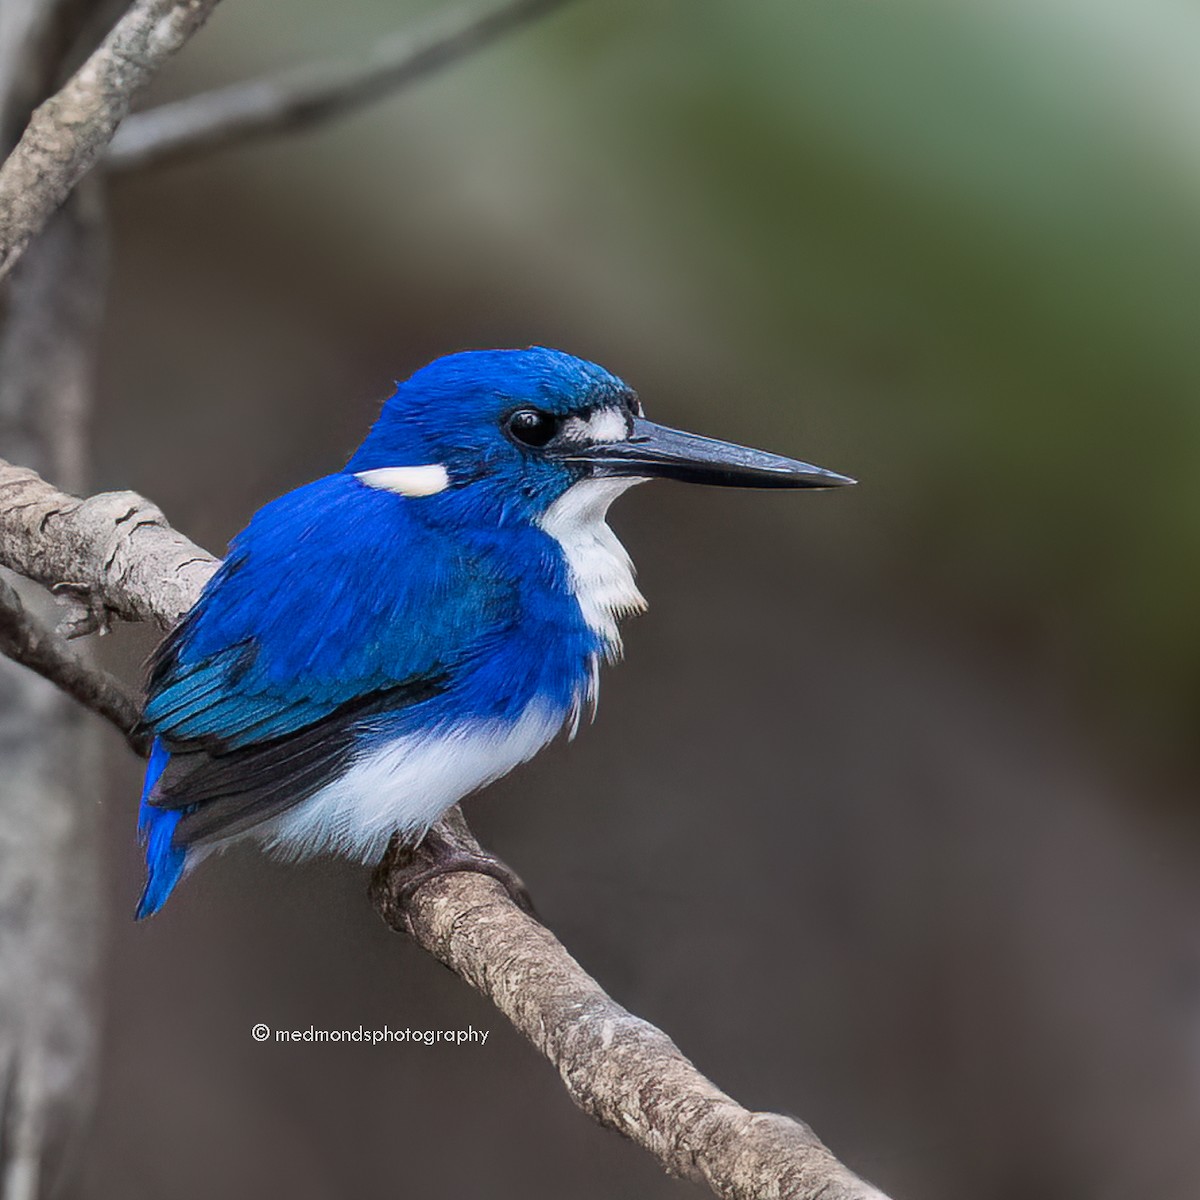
510	432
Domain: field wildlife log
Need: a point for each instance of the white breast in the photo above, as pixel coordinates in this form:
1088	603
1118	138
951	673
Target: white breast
602	575
405	785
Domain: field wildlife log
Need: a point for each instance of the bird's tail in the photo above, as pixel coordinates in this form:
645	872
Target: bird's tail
156	829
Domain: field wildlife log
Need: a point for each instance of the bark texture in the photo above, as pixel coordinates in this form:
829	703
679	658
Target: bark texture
114	552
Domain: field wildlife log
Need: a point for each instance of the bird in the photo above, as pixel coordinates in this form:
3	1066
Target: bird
392	637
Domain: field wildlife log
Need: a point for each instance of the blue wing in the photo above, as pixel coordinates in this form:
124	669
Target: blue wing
334	604
332	593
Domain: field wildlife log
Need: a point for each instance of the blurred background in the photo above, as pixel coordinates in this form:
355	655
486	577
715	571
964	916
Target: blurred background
889	819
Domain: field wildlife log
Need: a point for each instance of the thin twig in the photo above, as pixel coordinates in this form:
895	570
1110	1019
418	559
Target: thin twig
69	132
24	639
303	96
624	1072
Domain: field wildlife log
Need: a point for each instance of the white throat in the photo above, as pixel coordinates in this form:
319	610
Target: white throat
601	569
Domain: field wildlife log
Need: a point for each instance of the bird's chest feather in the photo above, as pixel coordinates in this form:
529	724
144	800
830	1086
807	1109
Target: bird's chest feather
600	573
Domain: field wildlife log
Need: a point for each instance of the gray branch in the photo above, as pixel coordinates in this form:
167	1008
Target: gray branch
621	1070
114	551
304	96
26	640
69	132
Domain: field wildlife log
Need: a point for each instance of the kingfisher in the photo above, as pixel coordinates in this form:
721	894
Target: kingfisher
386	640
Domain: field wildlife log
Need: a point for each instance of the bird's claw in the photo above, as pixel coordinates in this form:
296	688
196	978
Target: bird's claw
407	869
461	860
84	610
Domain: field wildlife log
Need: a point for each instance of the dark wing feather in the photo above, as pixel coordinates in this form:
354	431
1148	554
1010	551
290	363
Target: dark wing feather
225	792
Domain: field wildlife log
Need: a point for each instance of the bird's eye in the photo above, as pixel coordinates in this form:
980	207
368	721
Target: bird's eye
532	427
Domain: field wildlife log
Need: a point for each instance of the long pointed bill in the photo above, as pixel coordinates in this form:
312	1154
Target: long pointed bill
654	451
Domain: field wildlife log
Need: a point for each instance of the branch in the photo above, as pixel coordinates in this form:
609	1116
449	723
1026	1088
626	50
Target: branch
115	550
24	639
69	132
303	96
622	1071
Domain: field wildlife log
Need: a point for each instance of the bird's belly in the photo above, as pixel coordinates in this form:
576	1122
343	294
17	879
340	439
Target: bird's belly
406	783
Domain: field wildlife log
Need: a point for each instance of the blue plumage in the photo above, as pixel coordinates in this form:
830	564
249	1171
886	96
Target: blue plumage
156	826
386	639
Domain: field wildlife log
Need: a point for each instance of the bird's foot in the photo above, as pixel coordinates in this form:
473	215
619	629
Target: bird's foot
448	847
83	610
449	860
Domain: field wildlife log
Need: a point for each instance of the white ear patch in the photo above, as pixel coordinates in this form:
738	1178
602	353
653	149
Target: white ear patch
407	481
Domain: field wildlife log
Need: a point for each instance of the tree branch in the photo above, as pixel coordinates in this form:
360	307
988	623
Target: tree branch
69	132
303	96
114	551
622	1071
24	639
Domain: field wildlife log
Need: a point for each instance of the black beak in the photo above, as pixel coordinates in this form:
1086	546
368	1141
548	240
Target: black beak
654	451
